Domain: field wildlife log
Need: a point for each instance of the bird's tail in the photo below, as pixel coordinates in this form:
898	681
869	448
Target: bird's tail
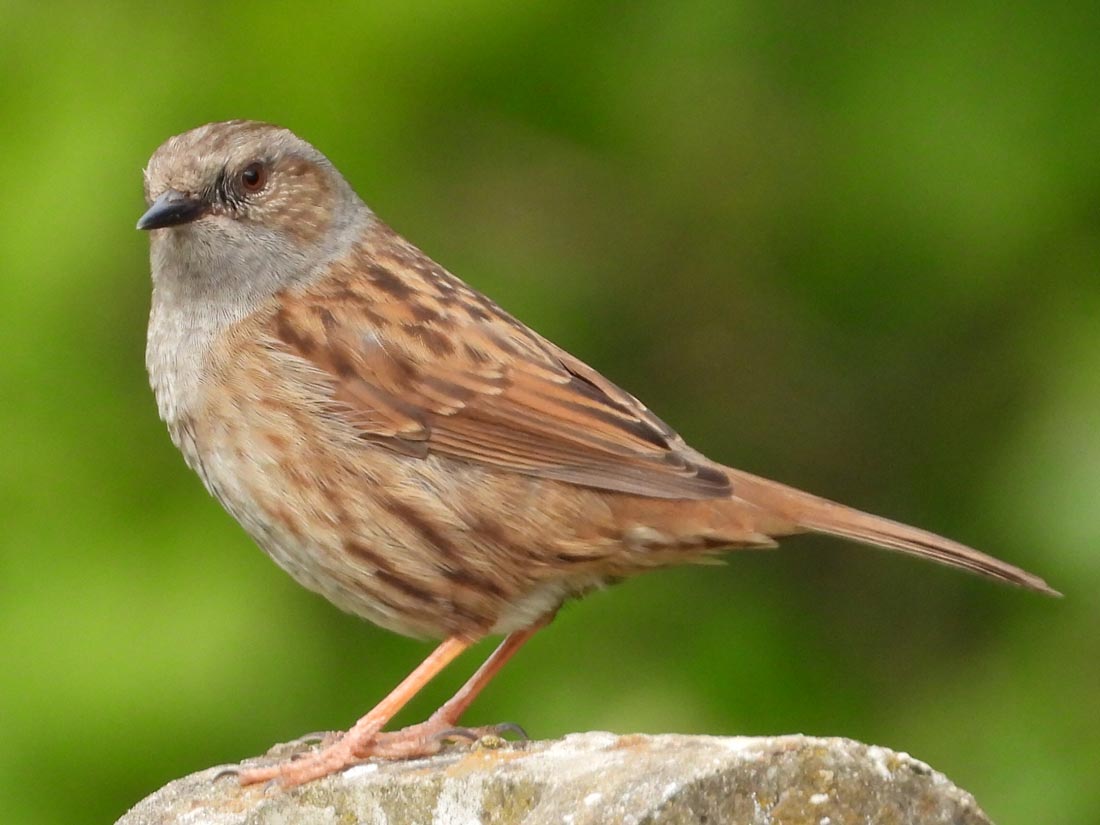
797	512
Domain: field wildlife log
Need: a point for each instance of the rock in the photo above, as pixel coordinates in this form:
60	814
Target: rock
593	778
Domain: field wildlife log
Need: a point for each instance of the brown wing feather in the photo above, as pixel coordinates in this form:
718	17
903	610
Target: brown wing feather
419	362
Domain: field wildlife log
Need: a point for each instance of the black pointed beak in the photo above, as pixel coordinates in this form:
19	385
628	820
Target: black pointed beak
172	208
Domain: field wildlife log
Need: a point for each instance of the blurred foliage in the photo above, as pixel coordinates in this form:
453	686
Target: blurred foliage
853	247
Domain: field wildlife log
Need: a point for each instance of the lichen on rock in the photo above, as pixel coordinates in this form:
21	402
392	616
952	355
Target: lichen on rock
593	778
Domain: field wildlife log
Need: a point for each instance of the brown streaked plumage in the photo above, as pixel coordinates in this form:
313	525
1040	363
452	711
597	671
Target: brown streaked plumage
404	447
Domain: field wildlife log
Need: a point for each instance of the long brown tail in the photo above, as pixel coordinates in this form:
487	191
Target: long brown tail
808	513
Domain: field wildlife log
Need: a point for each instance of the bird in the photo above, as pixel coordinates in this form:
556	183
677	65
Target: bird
403	446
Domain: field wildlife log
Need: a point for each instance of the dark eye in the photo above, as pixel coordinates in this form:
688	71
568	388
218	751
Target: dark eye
253	177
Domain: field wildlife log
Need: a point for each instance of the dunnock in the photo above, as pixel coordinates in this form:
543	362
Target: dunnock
400	444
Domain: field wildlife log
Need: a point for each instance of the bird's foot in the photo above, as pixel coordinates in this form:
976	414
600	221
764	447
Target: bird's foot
356	746
429	737
304	767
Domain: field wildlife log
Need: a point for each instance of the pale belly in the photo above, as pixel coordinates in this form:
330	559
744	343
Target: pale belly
427	547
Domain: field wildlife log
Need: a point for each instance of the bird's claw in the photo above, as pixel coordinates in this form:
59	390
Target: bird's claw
474	734
224	772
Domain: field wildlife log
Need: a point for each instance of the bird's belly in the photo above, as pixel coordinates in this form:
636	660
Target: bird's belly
427	547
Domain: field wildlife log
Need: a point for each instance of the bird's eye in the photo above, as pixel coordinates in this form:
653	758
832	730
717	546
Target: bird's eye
253	177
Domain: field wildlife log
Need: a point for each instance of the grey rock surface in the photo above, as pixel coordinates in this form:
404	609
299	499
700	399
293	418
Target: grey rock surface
593	778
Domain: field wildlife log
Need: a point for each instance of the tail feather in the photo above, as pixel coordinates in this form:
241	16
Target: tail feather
799	512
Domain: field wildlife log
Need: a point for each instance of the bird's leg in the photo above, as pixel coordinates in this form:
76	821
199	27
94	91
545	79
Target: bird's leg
428	737
355	745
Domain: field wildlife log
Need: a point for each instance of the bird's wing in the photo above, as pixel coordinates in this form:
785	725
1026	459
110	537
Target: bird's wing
421	363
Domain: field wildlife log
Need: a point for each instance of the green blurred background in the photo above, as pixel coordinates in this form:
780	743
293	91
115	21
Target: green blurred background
854	250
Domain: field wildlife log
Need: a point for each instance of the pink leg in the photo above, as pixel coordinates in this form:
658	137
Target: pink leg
365	739
355	744
427	737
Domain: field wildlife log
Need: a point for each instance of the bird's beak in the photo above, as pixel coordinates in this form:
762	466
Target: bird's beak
172	208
